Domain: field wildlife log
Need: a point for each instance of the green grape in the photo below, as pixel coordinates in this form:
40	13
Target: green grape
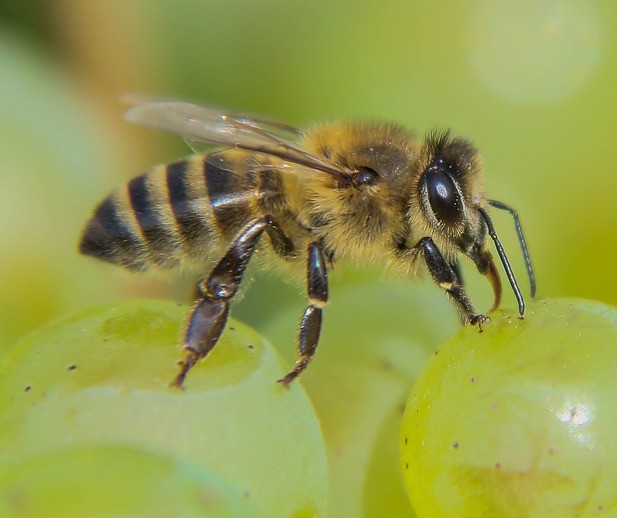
103	481
518	420
103	377
377	336
383	492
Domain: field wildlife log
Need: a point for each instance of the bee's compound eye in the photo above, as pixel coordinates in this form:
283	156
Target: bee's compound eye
443	195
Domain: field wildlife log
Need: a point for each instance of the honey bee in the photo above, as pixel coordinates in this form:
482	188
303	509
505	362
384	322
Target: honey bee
336	192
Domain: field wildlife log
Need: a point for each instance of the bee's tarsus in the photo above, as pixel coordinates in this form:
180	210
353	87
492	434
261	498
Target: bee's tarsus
178	381
286	380
310	325
185	366
479	320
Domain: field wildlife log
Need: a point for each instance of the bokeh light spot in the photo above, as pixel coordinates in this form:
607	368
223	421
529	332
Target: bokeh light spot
534	51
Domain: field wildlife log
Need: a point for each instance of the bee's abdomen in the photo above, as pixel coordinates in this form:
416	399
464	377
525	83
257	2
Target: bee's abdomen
179	211
138	225
108	237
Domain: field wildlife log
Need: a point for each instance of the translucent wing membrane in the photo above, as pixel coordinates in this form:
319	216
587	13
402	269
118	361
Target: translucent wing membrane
284	131
208	125
200	148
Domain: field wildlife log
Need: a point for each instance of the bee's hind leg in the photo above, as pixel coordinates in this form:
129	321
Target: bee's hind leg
209	315
310	325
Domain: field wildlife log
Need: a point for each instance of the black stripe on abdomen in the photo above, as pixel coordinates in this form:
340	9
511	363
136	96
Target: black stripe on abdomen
183	205
159	239
228	191
107	237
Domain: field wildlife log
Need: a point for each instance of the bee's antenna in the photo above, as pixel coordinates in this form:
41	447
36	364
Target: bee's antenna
504	260
521	240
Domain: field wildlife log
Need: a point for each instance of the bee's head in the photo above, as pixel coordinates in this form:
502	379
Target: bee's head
449	190
452	208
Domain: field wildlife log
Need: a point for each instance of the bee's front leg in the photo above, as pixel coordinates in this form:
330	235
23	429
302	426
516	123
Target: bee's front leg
448	279
209	315
310	325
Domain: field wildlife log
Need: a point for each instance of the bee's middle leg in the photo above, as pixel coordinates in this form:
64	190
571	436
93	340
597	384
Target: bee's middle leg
209	315
310	325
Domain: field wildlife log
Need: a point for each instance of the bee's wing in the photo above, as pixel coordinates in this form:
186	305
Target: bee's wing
209	125
281	129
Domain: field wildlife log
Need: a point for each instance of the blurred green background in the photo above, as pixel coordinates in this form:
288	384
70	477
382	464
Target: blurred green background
532	83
